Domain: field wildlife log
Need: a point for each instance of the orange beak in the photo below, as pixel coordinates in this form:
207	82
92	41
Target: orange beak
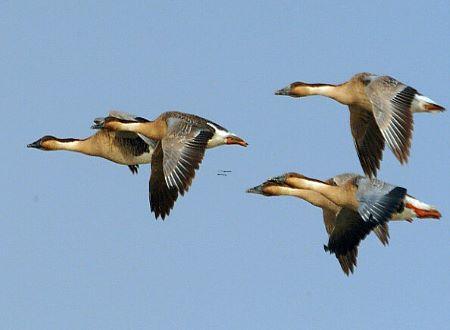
236	140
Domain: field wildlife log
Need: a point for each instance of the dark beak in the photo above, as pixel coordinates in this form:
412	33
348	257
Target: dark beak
98	123
255	190
35	144
97	126
284	91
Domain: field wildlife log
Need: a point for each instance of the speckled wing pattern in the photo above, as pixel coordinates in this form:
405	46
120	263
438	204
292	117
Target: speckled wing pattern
391	103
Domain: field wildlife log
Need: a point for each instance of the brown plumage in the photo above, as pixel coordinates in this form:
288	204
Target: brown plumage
124	148
345	228
381	111
353	206
182	141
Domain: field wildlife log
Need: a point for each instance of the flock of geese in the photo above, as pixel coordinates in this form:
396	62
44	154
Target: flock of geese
381	112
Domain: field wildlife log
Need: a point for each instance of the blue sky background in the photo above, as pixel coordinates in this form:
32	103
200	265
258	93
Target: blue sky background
78	245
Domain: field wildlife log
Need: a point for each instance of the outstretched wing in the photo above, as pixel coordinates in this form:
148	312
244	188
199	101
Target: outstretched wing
161	197
391	103
183	148
368	139
346	230
182	152
349	230
378	200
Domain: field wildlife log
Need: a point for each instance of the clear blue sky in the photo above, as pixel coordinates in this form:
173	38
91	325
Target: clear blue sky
78	246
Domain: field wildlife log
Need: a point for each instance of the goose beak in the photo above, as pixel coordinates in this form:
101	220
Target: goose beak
97	125
255	190
35	144
284	91
236	140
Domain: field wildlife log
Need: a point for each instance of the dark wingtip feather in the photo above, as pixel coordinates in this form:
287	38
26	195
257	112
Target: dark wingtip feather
382	232
133	168
348	261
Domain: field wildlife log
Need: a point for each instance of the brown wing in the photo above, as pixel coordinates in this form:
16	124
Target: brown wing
173	169
350	229
391	103
161	197
368	139
347	260
329	218
382	232
183	148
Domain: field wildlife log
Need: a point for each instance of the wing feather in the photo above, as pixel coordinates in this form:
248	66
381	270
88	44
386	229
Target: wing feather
179	155
368	139
349	230
161	197
378	200
391	103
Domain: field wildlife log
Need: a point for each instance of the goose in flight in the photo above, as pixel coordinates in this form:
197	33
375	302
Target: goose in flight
381	111
124	148
182	141
346	223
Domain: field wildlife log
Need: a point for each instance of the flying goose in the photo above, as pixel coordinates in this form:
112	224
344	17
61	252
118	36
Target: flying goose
347	225
182	140
124	148
337	221
381	109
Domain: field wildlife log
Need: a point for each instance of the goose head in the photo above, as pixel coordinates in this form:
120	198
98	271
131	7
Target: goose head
270	187
47	142
296	89
223	136
109	123
301	89
234	139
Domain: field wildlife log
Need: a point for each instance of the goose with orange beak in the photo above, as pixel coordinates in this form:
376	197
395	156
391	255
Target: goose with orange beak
353	206
182	141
